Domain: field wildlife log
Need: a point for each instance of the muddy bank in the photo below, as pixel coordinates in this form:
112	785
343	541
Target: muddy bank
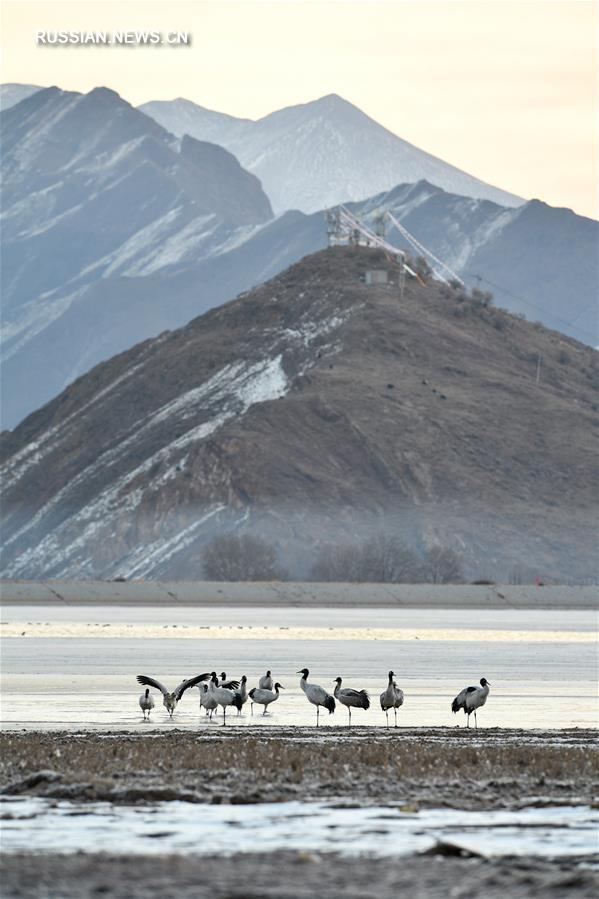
292	876
417	767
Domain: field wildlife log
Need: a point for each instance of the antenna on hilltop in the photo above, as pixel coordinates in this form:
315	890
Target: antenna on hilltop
380	226
333	226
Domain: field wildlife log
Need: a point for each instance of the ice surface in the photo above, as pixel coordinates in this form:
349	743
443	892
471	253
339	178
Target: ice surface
41	825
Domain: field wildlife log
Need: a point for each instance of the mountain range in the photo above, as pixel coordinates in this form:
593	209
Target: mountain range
11	94
94	189
315	409
115	230
320	153
312	155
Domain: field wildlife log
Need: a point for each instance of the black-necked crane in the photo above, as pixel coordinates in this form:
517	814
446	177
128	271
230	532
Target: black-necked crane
228	684
471	699
266	682
391	698
351	699
170	700
207	700
224	696
265	697
315	694
146	704
241	695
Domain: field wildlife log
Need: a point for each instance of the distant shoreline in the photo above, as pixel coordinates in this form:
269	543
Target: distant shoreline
298	595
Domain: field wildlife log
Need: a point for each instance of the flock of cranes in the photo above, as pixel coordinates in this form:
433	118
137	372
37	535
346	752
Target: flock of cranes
217	691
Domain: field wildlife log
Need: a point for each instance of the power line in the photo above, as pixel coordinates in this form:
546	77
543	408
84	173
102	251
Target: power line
420	248
516	296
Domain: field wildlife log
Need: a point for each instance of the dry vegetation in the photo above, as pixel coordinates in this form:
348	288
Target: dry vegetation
493	768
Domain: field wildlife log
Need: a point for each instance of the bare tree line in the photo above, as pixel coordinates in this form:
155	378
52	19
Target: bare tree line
381	559
245	558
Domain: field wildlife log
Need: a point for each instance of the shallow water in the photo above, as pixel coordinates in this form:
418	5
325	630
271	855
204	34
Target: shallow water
75	667
179	827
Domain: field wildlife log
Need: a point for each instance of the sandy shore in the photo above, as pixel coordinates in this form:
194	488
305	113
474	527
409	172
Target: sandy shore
493	768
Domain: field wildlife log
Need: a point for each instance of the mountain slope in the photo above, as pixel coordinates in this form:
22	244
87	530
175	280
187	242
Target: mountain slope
538	260
181	116
11	94
114	230
314	409
92	188
321	153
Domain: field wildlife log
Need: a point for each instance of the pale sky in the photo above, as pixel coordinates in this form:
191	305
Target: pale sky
503	89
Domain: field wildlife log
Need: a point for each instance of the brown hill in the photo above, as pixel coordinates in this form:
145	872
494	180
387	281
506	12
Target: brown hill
315	409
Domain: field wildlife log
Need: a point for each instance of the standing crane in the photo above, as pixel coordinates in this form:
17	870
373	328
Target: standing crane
391	698
207	700
315	694
241	695
266	682
224	696
146	704
471	699
265	697
357	699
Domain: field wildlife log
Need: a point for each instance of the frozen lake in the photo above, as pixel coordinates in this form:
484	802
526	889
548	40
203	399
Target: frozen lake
75	667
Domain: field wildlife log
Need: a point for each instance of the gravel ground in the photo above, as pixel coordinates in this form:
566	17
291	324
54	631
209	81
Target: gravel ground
292	876
426	767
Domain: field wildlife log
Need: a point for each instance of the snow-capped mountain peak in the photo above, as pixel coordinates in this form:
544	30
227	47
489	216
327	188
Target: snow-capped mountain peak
320	153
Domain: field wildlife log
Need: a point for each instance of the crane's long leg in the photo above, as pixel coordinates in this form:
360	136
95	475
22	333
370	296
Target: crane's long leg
252	709
468	719
395	713
317	713
349	710
387	716
475	721
264	712
224	715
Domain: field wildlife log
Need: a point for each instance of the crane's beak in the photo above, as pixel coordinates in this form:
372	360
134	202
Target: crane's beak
281	687
299	672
